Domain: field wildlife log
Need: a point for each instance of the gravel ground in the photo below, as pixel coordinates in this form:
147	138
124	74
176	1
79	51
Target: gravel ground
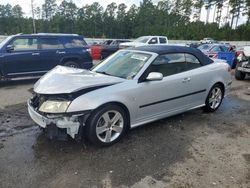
193	149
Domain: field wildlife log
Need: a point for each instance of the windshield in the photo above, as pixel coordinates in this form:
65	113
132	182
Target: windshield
142	39
4	41
123	64
204	47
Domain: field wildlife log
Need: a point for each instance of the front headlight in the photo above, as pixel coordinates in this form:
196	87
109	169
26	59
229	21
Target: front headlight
54	106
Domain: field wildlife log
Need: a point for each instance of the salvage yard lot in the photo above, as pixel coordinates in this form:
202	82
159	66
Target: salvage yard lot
193	149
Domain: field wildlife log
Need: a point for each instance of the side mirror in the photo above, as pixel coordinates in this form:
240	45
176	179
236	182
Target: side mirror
154	76
9	48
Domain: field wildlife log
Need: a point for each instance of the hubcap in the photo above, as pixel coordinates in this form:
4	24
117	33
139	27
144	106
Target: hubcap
215	98
109	126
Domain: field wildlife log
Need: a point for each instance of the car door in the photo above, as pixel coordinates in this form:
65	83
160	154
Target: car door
213	52
51	52
200	78
167	96
23	56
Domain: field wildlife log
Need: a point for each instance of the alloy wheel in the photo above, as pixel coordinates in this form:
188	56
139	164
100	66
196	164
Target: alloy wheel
109	126
215	97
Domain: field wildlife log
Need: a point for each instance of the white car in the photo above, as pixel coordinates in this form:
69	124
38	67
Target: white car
145	40
130	88
207	40
246	50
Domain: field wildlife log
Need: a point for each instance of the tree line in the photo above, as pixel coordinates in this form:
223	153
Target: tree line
179	19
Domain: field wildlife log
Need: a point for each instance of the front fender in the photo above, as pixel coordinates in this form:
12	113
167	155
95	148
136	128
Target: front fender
116	93
91	103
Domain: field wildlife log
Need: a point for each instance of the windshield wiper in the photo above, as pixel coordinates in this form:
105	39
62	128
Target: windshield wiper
103	72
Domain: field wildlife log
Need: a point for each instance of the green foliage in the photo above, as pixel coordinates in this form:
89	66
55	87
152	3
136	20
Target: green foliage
169	18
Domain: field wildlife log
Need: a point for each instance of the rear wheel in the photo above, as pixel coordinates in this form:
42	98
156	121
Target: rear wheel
214	98
71	64
107	125
238	74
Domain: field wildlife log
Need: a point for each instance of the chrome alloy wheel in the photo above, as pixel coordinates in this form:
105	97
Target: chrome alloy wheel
215	97
109	126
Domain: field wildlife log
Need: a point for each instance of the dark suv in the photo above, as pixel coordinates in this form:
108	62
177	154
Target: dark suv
35	54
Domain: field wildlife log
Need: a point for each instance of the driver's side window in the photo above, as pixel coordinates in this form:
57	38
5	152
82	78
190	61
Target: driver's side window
169	64
24	44
153	41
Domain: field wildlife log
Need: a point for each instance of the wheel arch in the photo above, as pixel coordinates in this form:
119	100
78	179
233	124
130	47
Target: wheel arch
120	104
222	85
67	59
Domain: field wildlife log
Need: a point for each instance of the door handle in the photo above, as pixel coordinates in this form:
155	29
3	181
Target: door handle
62	52
36	53
185	80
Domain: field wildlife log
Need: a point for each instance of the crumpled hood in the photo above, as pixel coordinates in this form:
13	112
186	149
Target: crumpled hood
64	80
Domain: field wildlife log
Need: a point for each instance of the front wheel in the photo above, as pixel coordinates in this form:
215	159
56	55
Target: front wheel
107	125
214	98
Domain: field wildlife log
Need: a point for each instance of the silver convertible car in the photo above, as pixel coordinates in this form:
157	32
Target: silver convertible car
130	88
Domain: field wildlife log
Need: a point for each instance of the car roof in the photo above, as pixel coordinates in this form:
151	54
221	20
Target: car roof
153	36
166	49
49	34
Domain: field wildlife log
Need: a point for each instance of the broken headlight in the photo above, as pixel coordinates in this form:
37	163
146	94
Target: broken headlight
54	106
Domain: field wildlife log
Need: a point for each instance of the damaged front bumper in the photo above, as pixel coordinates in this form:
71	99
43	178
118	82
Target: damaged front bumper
67	123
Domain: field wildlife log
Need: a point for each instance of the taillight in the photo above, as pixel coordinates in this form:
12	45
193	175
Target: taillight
238	53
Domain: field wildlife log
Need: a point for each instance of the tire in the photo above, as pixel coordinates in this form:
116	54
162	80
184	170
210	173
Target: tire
238	74
72	64
214	98
110	131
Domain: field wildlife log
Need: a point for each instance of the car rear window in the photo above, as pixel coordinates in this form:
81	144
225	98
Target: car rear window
163	40
204	47
75	43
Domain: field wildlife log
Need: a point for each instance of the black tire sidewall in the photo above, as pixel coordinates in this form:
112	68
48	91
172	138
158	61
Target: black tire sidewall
93	119
238	74
68	63
207	107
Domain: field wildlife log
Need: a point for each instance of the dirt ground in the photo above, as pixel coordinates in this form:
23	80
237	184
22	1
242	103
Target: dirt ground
193	149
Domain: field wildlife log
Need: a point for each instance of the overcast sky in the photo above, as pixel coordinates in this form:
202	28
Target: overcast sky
25	4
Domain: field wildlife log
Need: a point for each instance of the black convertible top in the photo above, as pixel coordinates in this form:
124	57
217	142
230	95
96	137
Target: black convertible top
165	49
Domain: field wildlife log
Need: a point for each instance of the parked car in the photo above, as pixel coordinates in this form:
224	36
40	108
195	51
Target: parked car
245	50
146	40
193	44
207	41
103	50
107	50
242	69
130	88
36	54
220	51
212	50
